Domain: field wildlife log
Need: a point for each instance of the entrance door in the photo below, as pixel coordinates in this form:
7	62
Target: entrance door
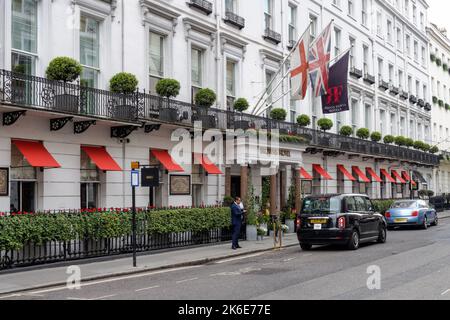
235	186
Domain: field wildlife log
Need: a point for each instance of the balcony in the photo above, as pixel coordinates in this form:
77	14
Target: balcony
394	90
421	103
369	79
383	85
39	94
356	73
234	20
201	5
291	44
413	99
272	36
404	95
427	106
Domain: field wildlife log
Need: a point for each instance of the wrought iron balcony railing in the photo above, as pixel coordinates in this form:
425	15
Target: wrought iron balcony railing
427	106
368	78
383	85
202	5
272	36
404	95
421	103
413	99
357	73
36	93
234	19
394	90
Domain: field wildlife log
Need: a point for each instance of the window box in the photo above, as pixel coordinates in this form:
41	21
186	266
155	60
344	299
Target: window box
394	91
413	99
404	95
234	19
201	5
272	36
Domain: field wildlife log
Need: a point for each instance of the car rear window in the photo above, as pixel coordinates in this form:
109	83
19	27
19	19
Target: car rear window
323	205
404	205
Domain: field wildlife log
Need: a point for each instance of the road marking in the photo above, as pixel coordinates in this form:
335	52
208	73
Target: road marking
104	297
241	258
70	298
287	260
445	292
145	289
187	280
115	279
236	273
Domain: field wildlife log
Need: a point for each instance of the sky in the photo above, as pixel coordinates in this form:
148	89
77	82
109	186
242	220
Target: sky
439	13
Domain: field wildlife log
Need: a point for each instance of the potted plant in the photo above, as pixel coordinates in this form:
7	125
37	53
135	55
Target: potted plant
262	232
204	99
400	141
279	115
389	139
418	145
376	138
434	150
324	124
168	88
363	133
409	142
124	85
64	69
303	120
251	218
241	105
346	131
433	57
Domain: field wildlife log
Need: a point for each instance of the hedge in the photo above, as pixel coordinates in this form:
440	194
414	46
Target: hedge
381	206
40	228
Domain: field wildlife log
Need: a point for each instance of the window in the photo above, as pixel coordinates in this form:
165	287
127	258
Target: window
350	8
380	69
416	51
23	183
156	59
230	6
368	119
90	183
408	45
293	23
389	31
354	121
382	121
400	79
352	53
24	36
268	14
364	12
269	78
391	74
399	39
379	24
337	42
366	59
393	124
196	70
89	51
231	84
313	29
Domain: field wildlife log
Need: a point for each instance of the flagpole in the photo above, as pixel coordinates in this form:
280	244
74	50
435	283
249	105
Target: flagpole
281	67
342	54
271	104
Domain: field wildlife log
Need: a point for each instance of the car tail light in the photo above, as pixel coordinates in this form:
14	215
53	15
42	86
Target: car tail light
415	214
299	223
388	214
341	223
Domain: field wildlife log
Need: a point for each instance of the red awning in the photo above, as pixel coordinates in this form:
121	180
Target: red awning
387	176
398	177
305	174
374	175
318	168
345	172
209	167
101	158
408	178
166	160
36	154
362	176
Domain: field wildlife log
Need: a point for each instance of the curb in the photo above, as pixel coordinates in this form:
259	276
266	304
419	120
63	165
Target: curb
144	270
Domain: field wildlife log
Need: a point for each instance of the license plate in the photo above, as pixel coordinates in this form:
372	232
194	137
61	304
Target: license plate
400	220
319	221
317	227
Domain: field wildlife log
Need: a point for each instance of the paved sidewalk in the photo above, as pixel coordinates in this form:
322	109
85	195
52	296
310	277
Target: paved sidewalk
55	276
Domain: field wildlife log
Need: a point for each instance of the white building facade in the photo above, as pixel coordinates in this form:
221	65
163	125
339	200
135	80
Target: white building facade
234	47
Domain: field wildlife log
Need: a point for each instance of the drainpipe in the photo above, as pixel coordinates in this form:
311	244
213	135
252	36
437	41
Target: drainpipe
123	35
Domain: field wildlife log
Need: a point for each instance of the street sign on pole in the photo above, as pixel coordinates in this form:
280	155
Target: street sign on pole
134	184
135	178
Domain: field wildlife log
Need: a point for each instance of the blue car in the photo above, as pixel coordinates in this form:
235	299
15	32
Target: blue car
411	213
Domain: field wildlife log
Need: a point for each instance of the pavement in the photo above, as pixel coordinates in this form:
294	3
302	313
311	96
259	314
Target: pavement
49	276
416	261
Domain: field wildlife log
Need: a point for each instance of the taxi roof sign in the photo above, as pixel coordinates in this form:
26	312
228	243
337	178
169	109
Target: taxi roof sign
135	165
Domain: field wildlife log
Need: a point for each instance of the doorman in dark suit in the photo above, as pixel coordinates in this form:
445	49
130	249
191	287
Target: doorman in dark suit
236	221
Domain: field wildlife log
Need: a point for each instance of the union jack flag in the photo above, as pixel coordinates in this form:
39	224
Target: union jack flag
319	62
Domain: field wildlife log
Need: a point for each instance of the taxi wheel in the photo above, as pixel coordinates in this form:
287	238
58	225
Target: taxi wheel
353	244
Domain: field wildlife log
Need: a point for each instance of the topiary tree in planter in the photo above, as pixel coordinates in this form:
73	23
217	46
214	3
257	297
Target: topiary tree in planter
445	67
433	57
400	141
363	133
376	136
124	84
389	139
435	99
426	147
168	88
204	99
434	150
439	62
409	142
441	103
241	105
325	124
64	69
346	131
278	114
303	120
418	145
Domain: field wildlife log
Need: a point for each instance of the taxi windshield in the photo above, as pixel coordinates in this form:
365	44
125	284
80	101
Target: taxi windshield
322	205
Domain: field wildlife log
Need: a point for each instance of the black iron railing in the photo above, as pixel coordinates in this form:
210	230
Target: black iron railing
202	5
272	35
33	254
42	94
67	98
234	19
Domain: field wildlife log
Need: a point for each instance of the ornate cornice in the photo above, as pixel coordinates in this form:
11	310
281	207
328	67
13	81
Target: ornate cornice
148	6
